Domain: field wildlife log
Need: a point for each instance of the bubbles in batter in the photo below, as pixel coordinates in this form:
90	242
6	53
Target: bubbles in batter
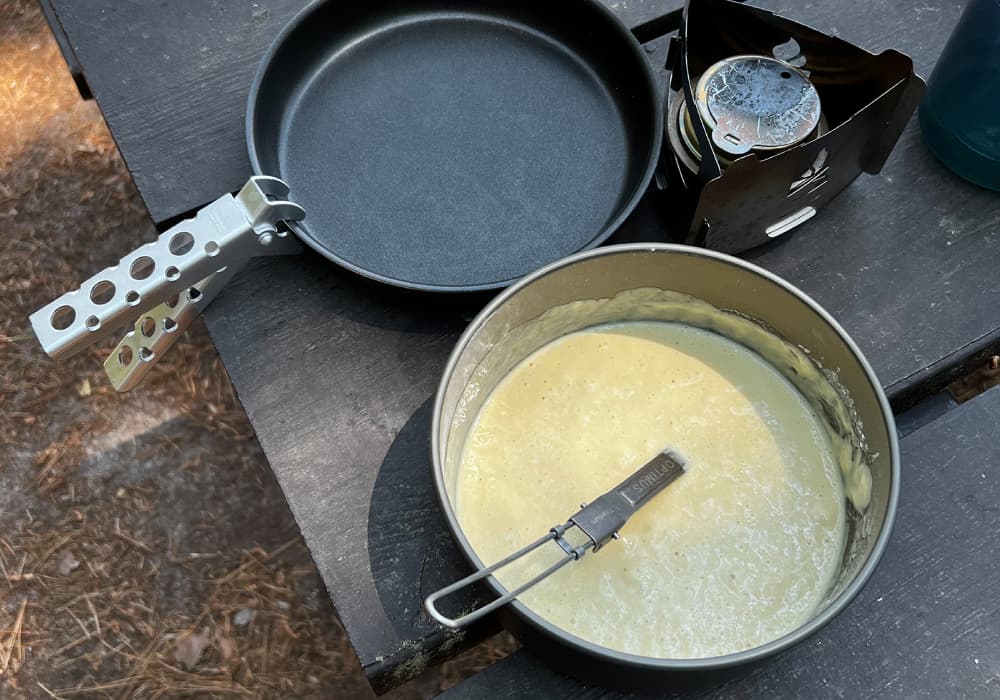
736	553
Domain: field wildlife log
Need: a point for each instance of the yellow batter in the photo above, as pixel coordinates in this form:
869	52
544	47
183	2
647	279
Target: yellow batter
737	552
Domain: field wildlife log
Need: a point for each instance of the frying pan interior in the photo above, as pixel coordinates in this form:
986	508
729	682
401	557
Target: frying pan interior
456	146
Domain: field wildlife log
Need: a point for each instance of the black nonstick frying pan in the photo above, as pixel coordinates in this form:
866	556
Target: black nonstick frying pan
455	146
436	145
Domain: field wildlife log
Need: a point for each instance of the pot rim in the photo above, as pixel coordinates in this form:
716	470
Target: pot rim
646	662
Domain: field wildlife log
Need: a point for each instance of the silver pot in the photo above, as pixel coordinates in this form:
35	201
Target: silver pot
495	342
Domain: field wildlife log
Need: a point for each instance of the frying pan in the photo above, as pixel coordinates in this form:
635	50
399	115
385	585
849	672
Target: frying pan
436	145
455	146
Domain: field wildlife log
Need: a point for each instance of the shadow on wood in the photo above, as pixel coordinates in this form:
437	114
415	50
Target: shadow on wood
412	554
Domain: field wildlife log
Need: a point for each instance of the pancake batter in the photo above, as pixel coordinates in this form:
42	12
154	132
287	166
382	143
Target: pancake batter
737	552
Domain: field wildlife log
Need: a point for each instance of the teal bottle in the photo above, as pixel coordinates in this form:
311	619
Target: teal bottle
960	114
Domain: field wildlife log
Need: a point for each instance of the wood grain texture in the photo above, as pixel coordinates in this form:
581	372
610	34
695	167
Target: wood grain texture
927	625
72	63
336	374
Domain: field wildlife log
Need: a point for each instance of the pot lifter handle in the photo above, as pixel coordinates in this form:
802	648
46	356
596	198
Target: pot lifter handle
162	285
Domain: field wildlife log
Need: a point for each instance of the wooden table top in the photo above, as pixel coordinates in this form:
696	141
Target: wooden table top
337	375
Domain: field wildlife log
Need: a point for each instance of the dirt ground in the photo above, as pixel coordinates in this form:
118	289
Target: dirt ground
145	547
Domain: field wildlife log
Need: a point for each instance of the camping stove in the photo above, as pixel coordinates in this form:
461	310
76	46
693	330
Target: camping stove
768	120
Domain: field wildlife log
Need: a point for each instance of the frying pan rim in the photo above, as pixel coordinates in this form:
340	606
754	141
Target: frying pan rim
623	211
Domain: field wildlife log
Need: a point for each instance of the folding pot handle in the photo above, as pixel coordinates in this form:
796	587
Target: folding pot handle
599	522
555	534
221	237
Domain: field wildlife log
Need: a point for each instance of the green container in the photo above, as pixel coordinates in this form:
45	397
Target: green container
960	114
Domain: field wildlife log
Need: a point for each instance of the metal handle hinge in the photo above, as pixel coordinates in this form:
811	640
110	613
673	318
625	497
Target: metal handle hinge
163	285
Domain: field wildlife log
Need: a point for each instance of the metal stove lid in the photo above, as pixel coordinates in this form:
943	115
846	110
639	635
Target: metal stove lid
756	102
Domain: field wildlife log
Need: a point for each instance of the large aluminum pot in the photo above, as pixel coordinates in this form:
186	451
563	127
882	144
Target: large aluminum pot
492	345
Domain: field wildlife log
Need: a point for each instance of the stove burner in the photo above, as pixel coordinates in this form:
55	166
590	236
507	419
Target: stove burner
751	103
755	102
815	110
